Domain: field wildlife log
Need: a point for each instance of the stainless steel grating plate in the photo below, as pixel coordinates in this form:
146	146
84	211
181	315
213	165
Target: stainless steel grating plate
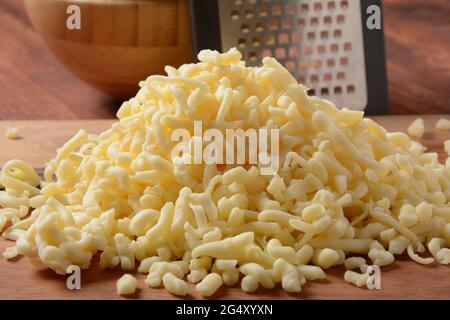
320	42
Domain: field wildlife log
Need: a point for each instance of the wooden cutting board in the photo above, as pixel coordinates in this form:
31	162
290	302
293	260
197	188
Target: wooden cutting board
20	280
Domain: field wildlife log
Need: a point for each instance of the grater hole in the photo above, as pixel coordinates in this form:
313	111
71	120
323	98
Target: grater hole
294	52
344	4
341	19
245	28
238	2
341	75
273	25
312	92
296	37
304	7
311	35
334	47
280	53
317	64
266	53
344	61
252	56
347	46
314	78
269	39
291	8
249	14
304	64
287	24
327	20
235	15
290	65
276	9
328	76
324	34
283	38
259	27
331	62
331	5
337	90
263	11
301	22
308	50
317	6
321	49
251	1
337	33
256	42
314	21
350	88
324	91
301	79
242	42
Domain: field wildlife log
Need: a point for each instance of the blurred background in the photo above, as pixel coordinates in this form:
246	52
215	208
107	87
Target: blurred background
34	85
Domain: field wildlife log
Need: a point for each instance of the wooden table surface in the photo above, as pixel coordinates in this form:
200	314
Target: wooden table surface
20	280
33	85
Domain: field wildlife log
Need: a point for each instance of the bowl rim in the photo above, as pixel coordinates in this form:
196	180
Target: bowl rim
100	1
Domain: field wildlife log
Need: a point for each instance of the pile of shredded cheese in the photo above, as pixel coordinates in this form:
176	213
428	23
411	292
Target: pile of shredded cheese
346	189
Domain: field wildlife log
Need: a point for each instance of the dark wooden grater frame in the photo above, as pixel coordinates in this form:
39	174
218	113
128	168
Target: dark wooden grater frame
206	34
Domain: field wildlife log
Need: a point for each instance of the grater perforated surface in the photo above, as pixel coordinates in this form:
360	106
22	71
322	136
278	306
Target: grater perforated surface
320	42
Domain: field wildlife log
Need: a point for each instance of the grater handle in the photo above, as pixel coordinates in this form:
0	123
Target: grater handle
204	15
376	71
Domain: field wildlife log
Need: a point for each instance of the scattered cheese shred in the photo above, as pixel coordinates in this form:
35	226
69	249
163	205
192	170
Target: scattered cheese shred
13	133
443	125
447	146
417	128
126	285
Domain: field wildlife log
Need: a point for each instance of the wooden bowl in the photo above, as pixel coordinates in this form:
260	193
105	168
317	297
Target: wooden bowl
120	41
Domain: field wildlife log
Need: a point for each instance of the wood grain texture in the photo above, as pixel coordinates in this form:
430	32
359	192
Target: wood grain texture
33	85
20	280
119	42
418	46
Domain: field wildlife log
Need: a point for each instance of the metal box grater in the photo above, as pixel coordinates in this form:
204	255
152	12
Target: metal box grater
325	44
